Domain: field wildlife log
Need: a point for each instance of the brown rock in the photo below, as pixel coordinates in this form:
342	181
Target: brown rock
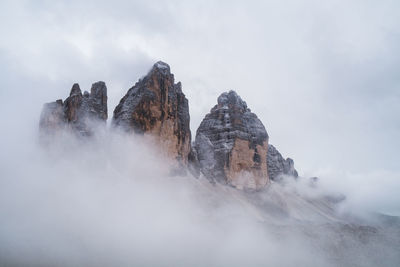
156	106
79	113
232	144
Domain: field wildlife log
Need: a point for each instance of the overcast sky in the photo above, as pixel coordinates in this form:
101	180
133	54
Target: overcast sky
323	76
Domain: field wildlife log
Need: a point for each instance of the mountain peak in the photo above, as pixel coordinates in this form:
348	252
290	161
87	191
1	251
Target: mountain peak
75	90
232	144
76	111
231	99
156	106
162	67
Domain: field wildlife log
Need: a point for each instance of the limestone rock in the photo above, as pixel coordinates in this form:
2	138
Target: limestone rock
97	101
52	117
232	144
156	106
79	112
278	166
193	162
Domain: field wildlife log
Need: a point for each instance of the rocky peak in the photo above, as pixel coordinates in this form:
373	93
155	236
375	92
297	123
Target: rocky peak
75	90
156	106
78	112
98	101
278	166
161	67
232	144
231	100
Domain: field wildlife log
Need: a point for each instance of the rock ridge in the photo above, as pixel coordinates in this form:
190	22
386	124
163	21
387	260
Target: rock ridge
231	144
79	112
278	166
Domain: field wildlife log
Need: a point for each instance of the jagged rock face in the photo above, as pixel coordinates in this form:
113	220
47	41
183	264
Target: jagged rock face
78	112
278	166
97	101
52	117
156	106
232	144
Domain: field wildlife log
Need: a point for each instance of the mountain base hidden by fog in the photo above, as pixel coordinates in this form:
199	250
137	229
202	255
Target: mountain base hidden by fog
139	191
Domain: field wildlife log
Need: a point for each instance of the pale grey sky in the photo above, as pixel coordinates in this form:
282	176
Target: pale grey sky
323	76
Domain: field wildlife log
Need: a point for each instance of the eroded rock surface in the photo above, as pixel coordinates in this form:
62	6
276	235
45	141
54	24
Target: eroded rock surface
156	106
79	112
232	144
278	166
52	117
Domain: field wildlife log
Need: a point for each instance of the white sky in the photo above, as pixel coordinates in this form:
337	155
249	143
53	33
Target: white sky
323	76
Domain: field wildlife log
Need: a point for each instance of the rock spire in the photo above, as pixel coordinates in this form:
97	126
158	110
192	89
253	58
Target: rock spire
232	144
156	106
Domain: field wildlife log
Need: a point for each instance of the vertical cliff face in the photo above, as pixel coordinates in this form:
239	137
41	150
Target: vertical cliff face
156	106
278	166
97	101
232	144
79	112
52	117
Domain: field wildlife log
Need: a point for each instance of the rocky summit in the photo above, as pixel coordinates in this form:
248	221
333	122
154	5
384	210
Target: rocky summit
156	106
278	166
232	144
79	112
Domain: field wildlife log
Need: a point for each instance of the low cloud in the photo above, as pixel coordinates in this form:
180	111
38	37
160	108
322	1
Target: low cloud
112	201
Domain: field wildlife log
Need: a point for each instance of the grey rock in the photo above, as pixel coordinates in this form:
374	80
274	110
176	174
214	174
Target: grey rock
193	160
52	117
156	106
231	144
78	112
278	166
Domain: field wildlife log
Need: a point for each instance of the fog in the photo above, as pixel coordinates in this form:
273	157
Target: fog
111	201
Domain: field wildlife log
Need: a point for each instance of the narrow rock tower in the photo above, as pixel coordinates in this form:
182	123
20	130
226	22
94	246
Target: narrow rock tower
232	144
79	112
156	106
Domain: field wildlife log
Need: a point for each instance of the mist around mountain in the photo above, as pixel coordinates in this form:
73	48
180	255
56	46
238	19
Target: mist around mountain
146	187
111	201
96	195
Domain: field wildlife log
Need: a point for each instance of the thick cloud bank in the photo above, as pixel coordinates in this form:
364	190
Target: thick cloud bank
111	201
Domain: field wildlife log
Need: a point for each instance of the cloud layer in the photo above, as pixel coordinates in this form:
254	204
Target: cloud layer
111	201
